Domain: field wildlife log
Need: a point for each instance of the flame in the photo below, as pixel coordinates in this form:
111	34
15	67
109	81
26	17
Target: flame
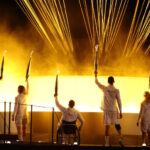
80	88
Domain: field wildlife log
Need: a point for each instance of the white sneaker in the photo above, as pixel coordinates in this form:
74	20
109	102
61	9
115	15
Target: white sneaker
107	141
143	144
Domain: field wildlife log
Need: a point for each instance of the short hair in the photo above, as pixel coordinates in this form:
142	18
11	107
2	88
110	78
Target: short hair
21	89
146	93
71	103
111	80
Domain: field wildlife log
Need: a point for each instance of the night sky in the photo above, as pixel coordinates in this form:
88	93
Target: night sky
17	24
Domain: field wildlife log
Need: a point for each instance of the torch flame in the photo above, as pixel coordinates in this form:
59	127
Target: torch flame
96	47
31	53
5	51
58	71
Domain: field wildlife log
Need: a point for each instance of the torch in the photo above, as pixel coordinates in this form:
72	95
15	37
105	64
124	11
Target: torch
2	65
56	84
28	67
96	59
149	80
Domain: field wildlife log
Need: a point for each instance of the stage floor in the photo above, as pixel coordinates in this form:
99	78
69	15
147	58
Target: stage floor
45	146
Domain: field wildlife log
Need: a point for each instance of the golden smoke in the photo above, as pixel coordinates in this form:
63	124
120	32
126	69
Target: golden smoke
80	88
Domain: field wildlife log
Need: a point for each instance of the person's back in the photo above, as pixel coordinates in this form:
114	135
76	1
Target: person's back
109	107
20	111
145	111
20	100
144	116
69	114
109	100
111	96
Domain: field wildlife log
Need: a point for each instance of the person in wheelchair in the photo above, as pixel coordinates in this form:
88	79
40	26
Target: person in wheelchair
68	120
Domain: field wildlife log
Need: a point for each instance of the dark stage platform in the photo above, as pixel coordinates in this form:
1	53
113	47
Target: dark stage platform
43	146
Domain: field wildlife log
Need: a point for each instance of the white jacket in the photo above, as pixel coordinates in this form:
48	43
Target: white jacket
111	96
69	114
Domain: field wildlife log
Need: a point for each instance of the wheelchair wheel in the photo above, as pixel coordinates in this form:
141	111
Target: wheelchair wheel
77	138
59	137
67	138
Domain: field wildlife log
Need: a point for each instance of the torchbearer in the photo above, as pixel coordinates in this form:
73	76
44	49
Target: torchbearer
69	115
110	110
20	109
144	117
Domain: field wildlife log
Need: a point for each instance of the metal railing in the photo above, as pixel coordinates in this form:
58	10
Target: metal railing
5	125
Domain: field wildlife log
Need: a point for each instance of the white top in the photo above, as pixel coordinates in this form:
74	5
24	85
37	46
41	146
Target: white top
111	96
20	109
69	114
145	111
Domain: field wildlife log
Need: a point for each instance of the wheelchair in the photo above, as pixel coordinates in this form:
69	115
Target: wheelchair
68	133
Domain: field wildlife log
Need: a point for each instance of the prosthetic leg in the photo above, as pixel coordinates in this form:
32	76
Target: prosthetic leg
118	128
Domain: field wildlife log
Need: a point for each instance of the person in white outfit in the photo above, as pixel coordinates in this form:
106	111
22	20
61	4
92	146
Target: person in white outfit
144	116
20	111
69	114
109	107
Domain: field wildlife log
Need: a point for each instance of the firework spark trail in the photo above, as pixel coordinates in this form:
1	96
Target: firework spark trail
48	20
106	18
87	21
139	31
147	50
30	17
142	31
118	23
51	21
29	11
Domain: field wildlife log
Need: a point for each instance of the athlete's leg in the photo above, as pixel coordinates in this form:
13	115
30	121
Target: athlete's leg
143	138
19	130
107	135
118	128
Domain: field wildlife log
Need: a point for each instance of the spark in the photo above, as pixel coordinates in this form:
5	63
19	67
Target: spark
51	21
102	21
139	30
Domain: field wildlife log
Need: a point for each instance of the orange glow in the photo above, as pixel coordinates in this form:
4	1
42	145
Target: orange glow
80	88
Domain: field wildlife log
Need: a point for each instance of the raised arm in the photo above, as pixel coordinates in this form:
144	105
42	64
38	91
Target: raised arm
27	87
61	108
119	103
101	86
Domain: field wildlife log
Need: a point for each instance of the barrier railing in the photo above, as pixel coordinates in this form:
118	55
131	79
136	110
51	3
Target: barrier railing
6	112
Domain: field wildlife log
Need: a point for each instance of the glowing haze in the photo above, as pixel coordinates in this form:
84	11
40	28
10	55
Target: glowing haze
82	89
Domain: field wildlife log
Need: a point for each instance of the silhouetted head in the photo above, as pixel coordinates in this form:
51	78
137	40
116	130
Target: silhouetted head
21	89
146	94
71	103
111	80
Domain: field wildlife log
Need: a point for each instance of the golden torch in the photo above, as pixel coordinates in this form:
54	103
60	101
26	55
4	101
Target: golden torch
56	85
2	66
28	67
96	59
149	80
